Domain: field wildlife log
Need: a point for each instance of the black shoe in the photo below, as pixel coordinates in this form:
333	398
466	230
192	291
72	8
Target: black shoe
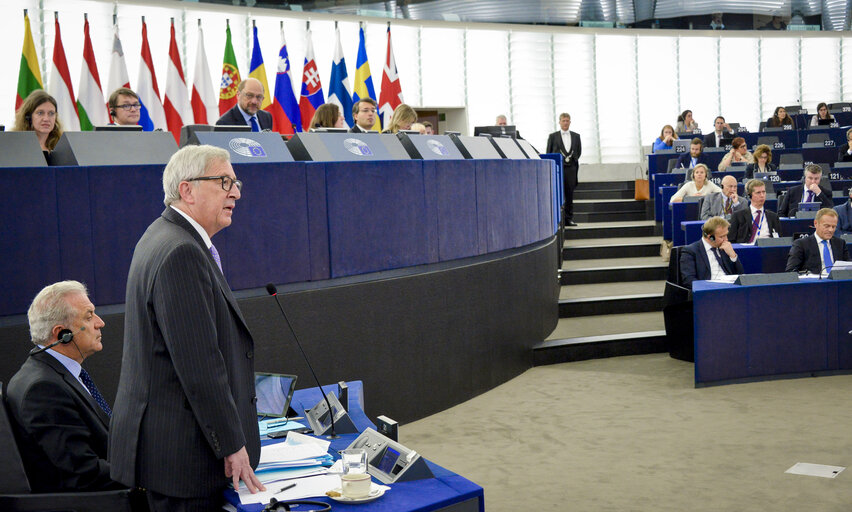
570	223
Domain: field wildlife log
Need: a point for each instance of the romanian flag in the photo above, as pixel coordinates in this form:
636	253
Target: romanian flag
29	76
258	70
363	78
230	76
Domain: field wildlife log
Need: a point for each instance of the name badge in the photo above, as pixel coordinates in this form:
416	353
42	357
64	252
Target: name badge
774	178
828	143
778	145
835	176
788	126
680	149
742	129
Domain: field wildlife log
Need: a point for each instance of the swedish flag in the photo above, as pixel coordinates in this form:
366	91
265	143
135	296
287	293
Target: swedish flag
363	78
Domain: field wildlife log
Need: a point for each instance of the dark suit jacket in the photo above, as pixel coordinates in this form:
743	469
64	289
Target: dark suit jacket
741	222
685	160
749	170
571	164
695	265
843	154
61	430
357	129
804	254
235	117
789	204
710	138
186	394
844	218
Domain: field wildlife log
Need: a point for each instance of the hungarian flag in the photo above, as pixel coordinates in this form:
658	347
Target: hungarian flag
90	102
29	75
60	86
118	76
312	96
230	76
258	71
286	117
176	101
363	77
391	96
151	115
203	98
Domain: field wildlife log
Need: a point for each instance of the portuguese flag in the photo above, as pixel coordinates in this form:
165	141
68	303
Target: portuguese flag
230	76
29	76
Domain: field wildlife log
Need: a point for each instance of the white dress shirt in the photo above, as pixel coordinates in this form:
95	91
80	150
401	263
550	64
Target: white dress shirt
716	270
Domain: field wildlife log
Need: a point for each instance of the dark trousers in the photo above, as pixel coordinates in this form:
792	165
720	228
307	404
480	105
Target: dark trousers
569	183
162	503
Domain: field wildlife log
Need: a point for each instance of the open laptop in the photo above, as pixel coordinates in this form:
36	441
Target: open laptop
274	392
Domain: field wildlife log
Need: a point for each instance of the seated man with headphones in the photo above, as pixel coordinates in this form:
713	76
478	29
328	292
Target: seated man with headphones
711	257
60	418
749	224
124	107
809	191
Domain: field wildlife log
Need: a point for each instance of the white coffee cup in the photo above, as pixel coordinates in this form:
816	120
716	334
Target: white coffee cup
355	485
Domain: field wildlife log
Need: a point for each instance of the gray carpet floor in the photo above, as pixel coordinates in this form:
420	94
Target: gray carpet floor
632	433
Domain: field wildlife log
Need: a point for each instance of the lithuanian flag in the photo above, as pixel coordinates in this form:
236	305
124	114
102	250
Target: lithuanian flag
29	76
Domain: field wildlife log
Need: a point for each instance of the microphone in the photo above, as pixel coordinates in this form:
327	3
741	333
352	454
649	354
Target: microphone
272	290
66	337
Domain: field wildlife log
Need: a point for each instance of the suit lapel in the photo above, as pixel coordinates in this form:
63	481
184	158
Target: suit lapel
703	255
74	384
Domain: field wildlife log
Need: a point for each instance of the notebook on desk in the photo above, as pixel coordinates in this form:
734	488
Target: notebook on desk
274	392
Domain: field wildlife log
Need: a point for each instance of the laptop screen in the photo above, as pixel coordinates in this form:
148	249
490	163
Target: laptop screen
274	392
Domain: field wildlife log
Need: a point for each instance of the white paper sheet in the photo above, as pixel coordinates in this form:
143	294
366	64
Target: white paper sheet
305	488
296	447
806	468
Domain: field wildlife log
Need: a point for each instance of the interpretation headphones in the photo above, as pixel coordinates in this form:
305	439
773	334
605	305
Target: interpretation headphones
65	336
29	119
112	112
285	505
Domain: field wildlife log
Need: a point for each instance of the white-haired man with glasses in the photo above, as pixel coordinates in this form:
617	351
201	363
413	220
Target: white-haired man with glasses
185	422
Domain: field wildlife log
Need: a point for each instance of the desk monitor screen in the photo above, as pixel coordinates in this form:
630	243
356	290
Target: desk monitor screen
726	141
118	128
764	175
825	122
274	392
681	145
496	131
809	207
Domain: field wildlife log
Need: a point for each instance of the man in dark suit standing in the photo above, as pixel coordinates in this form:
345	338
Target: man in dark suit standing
694	157
247	111
749	224
808	192
364	114
721	131
185	417
567	143
60	418
821	250
711	257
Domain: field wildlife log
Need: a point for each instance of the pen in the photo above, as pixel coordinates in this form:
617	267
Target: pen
286	487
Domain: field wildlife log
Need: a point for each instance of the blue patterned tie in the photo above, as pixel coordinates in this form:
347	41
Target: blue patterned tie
216	258
810	196
90	385
826	256
254	126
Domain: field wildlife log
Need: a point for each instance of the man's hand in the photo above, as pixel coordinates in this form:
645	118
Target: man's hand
237	467
729	249
813	187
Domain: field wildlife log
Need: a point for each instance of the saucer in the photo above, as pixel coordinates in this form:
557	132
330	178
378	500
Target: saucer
376	492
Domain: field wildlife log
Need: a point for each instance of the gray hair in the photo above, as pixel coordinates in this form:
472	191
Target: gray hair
50	307
188	163
813	169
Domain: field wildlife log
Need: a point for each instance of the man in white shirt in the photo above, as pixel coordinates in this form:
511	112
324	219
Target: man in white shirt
712	257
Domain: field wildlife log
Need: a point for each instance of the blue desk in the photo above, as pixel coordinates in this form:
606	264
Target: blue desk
446	491
665	196
775	332
762	260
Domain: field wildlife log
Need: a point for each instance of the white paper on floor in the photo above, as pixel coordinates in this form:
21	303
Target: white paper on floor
806	468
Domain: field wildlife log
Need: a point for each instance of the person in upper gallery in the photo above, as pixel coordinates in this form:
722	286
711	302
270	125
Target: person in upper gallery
725	203
821	250
779	119
402	119
749	224
822	114
60	418
430	130
700	185
738	153
845	152
124	107
844	215
247	111
721	130
666	139
364	114
501	121
328	115
762	161
694	157
38	114
711	257
685	122
568	144
808	192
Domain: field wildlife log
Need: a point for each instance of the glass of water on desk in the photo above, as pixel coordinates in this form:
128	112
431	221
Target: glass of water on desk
354	461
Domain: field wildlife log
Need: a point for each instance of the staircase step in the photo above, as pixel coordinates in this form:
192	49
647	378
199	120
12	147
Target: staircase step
596	290
611	247
609	270
604	216
592	306
608	205
606	185
611	229
594	347
605	325
603	194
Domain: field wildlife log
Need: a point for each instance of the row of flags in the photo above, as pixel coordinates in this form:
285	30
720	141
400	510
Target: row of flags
184	104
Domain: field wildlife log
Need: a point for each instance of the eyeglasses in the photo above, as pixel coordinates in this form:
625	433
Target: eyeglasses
227	182
249	96
130	106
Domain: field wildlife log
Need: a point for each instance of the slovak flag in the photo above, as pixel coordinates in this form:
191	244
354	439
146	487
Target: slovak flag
312	96
286	117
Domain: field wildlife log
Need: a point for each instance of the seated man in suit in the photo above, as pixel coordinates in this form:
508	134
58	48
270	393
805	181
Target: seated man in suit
844	216
694	157
749	224
61	420
845	152
711	257
722	130
724	203
808	192
124	107
364	114
818	252
247	111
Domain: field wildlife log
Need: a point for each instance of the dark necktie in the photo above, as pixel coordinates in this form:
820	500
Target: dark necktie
755	227
826	256
810	196
216	258
719	259
254	126
90	385
728	205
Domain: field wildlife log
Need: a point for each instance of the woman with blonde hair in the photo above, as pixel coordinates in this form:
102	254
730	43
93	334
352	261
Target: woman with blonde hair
738	153
328	115
403	117
38	114
700	185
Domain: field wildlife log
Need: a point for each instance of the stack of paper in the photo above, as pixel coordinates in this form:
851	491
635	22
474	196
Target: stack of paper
297	452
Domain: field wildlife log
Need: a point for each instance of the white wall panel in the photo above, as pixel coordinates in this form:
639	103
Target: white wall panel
738	83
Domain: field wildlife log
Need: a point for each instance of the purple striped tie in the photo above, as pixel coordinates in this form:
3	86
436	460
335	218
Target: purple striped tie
216	258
